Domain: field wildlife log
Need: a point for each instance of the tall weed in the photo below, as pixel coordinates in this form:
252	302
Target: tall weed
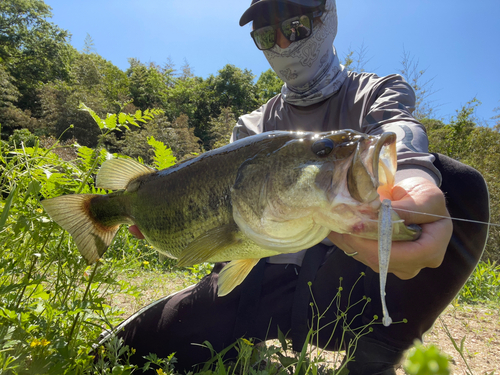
483	286
52	306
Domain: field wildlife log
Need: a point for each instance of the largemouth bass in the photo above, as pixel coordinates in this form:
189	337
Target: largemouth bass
268	194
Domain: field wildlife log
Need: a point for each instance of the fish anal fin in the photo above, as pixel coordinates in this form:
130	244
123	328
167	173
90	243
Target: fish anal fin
72	213
233	274
115	174
209	244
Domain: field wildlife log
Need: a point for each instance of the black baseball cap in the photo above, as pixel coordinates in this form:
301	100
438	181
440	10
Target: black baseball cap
259	7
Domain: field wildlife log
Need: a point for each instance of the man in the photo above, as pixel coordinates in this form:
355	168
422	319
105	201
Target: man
425	275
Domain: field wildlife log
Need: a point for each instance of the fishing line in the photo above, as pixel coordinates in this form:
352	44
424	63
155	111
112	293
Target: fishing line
447	217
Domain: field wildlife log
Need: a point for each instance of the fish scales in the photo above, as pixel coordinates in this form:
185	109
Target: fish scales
272	193
183	202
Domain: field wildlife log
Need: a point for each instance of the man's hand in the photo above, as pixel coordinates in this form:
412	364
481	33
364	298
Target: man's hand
408	257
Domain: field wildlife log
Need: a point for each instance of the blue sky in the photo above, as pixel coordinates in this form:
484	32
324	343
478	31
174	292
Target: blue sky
457	42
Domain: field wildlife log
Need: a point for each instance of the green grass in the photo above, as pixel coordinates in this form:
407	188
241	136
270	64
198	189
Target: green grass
483	285
53	306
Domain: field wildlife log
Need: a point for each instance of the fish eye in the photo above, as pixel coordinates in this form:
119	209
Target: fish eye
322	147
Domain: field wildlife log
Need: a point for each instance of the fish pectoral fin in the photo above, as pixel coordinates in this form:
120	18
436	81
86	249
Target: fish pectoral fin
115	174
209	245
233	274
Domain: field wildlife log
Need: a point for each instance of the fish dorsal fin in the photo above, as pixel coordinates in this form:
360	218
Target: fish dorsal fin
233	275
115	174
209	244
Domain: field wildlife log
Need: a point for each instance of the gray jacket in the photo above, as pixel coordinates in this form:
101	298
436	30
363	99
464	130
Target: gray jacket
366	103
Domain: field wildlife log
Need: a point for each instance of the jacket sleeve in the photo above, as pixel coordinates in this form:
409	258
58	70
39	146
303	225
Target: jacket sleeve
249	124
393	101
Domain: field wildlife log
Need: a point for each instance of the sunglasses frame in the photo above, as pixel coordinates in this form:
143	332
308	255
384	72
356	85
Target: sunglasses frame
279	25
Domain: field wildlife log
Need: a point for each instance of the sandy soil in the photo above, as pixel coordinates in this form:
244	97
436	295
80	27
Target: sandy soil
480	327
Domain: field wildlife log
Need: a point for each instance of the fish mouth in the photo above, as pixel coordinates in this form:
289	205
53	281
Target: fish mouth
373	166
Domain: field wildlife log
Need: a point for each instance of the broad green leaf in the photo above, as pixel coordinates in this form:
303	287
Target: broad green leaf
163	156
97	119
122	118
111	121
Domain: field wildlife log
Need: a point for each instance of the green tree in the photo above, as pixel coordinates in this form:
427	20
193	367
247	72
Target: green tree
234	88
497	119
11	117
202	100
61	116
268	85
458	141
195	98
187	71
221	128
95	74
92	80
34	50
149	84
176	135
17	19
423	87
478	147
356	60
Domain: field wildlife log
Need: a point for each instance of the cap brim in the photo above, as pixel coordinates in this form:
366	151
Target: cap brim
262	7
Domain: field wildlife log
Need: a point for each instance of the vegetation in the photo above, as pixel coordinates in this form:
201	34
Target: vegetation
52	306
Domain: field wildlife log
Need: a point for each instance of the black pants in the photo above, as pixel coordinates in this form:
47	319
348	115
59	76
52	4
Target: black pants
278	296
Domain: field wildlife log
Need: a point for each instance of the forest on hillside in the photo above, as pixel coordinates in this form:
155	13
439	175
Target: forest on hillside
44	82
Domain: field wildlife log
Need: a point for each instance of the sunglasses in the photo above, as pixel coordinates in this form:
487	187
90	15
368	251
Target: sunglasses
294	29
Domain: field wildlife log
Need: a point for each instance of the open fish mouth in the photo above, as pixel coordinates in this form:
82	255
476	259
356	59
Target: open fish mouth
373	165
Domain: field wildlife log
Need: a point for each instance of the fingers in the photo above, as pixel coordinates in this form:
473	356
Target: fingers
421	196
408	258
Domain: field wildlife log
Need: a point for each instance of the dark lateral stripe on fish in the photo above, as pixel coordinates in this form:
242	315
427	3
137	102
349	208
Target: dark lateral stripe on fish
72	213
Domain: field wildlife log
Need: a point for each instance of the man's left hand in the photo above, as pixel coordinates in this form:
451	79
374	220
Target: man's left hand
408	257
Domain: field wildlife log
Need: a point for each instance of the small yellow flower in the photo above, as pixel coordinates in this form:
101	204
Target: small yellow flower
160	371
44	342
35	343
145	263
39	210
249	343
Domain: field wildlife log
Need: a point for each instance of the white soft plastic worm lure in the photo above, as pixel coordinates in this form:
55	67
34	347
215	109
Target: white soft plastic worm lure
384	252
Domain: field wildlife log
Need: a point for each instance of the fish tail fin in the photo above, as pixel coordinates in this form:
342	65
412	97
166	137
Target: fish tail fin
115	174
233	275
72	213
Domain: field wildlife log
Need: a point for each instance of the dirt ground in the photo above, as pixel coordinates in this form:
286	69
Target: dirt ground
481	348
479	325
481	328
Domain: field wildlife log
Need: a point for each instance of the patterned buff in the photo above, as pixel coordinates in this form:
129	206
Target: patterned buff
310	67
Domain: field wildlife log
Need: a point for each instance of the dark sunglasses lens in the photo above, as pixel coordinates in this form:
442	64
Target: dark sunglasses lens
297	28
264	37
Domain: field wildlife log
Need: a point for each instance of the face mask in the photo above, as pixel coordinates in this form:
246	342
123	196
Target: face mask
310	67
